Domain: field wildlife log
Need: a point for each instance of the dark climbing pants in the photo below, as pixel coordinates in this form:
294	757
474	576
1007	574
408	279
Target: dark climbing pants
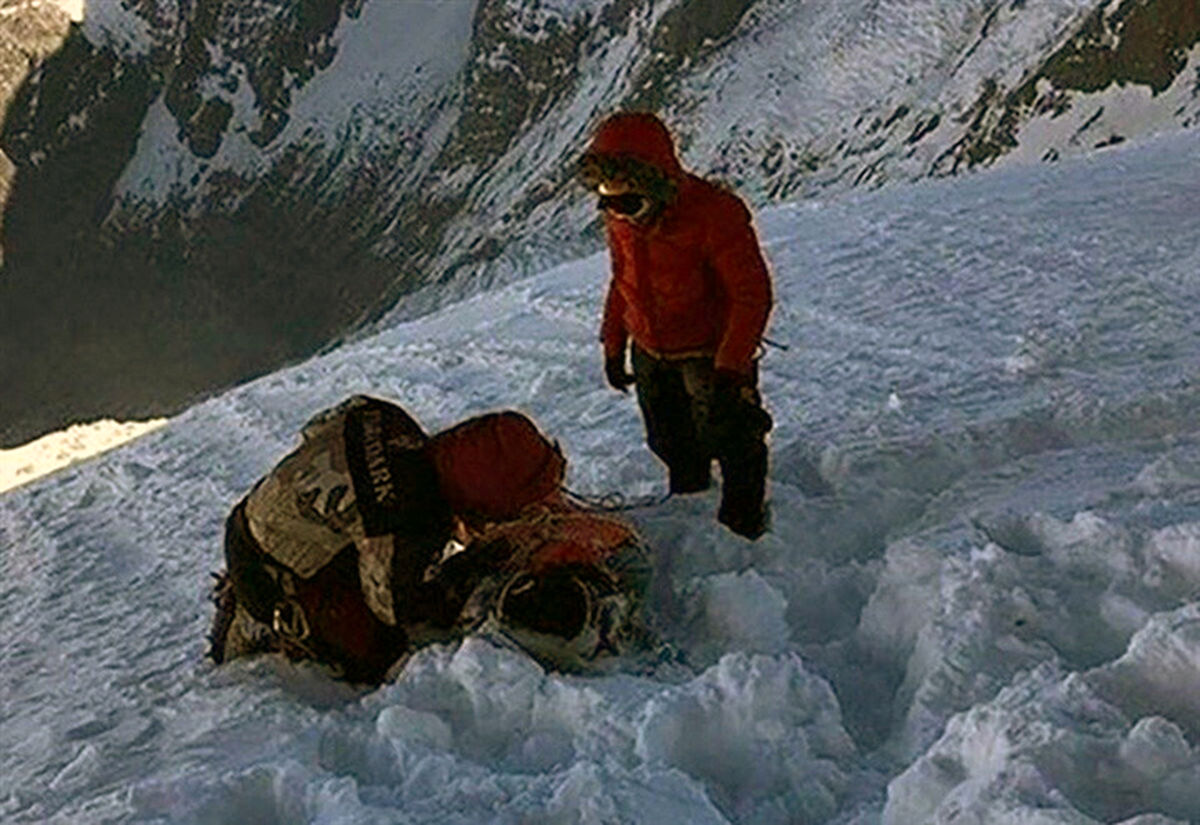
691	419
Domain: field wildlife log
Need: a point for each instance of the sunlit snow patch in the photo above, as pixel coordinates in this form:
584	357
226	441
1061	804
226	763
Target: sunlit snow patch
75	8
38	458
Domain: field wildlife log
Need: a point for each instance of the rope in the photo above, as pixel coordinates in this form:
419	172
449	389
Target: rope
615	502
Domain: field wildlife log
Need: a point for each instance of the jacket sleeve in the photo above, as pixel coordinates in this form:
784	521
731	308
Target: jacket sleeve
612	331
742	272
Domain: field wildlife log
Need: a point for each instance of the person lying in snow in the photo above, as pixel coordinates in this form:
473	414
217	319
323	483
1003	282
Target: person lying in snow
372	539
692	292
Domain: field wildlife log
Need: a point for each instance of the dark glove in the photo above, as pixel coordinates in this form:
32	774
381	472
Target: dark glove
732	381
732	392
614	371
738	403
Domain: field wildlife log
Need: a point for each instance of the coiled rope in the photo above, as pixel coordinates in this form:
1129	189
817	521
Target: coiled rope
615	502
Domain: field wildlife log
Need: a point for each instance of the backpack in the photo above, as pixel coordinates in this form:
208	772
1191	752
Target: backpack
492	467
326	554
336	555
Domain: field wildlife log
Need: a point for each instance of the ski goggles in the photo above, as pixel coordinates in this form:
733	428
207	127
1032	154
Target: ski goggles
629	203
598	172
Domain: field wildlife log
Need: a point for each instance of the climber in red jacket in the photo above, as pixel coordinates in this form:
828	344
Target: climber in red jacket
691	291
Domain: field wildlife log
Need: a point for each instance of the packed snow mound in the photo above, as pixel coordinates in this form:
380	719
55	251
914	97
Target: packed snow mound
978	601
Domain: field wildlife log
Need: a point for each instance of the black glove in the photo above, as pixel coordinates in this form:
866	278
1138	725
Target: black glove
732	392
614	371
732	381
738	403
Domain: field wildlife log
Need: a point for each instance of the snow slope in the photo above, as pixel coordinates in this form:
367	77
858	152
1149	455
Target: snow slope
995	618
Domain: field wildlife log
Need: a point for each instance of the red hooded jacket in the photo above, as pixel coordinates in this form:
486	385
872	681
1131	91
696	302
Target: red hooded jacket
693	280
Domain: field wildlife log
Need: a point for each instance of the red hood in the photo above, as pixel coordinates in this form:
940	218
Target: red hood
639	135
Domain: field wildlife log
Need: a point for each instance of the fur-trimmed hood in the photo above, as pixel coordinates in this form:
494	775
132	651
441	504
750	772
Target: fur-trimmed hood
639	135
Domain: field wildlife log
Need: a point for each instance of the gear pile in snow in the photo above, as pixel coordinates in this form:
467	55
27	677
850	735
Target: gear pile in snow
373	538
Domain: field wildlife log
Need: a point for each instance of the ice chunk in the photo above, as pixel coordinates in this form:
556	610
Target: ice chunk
1160	672
736	611
761	732
1173	556
399	722
1049	748
1171	473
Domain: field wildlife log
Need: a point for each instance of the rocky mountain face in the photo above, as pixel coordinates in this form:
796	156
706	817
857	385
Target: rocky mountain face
30	31
206	190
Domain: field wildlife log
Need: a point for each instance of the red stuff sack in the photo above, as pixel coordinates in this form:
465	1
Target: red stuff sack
492	467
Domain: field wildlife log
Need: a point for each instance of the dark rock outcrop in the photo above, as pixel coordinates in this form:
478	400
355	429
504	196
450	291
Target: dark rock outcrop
28	35
1139	43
